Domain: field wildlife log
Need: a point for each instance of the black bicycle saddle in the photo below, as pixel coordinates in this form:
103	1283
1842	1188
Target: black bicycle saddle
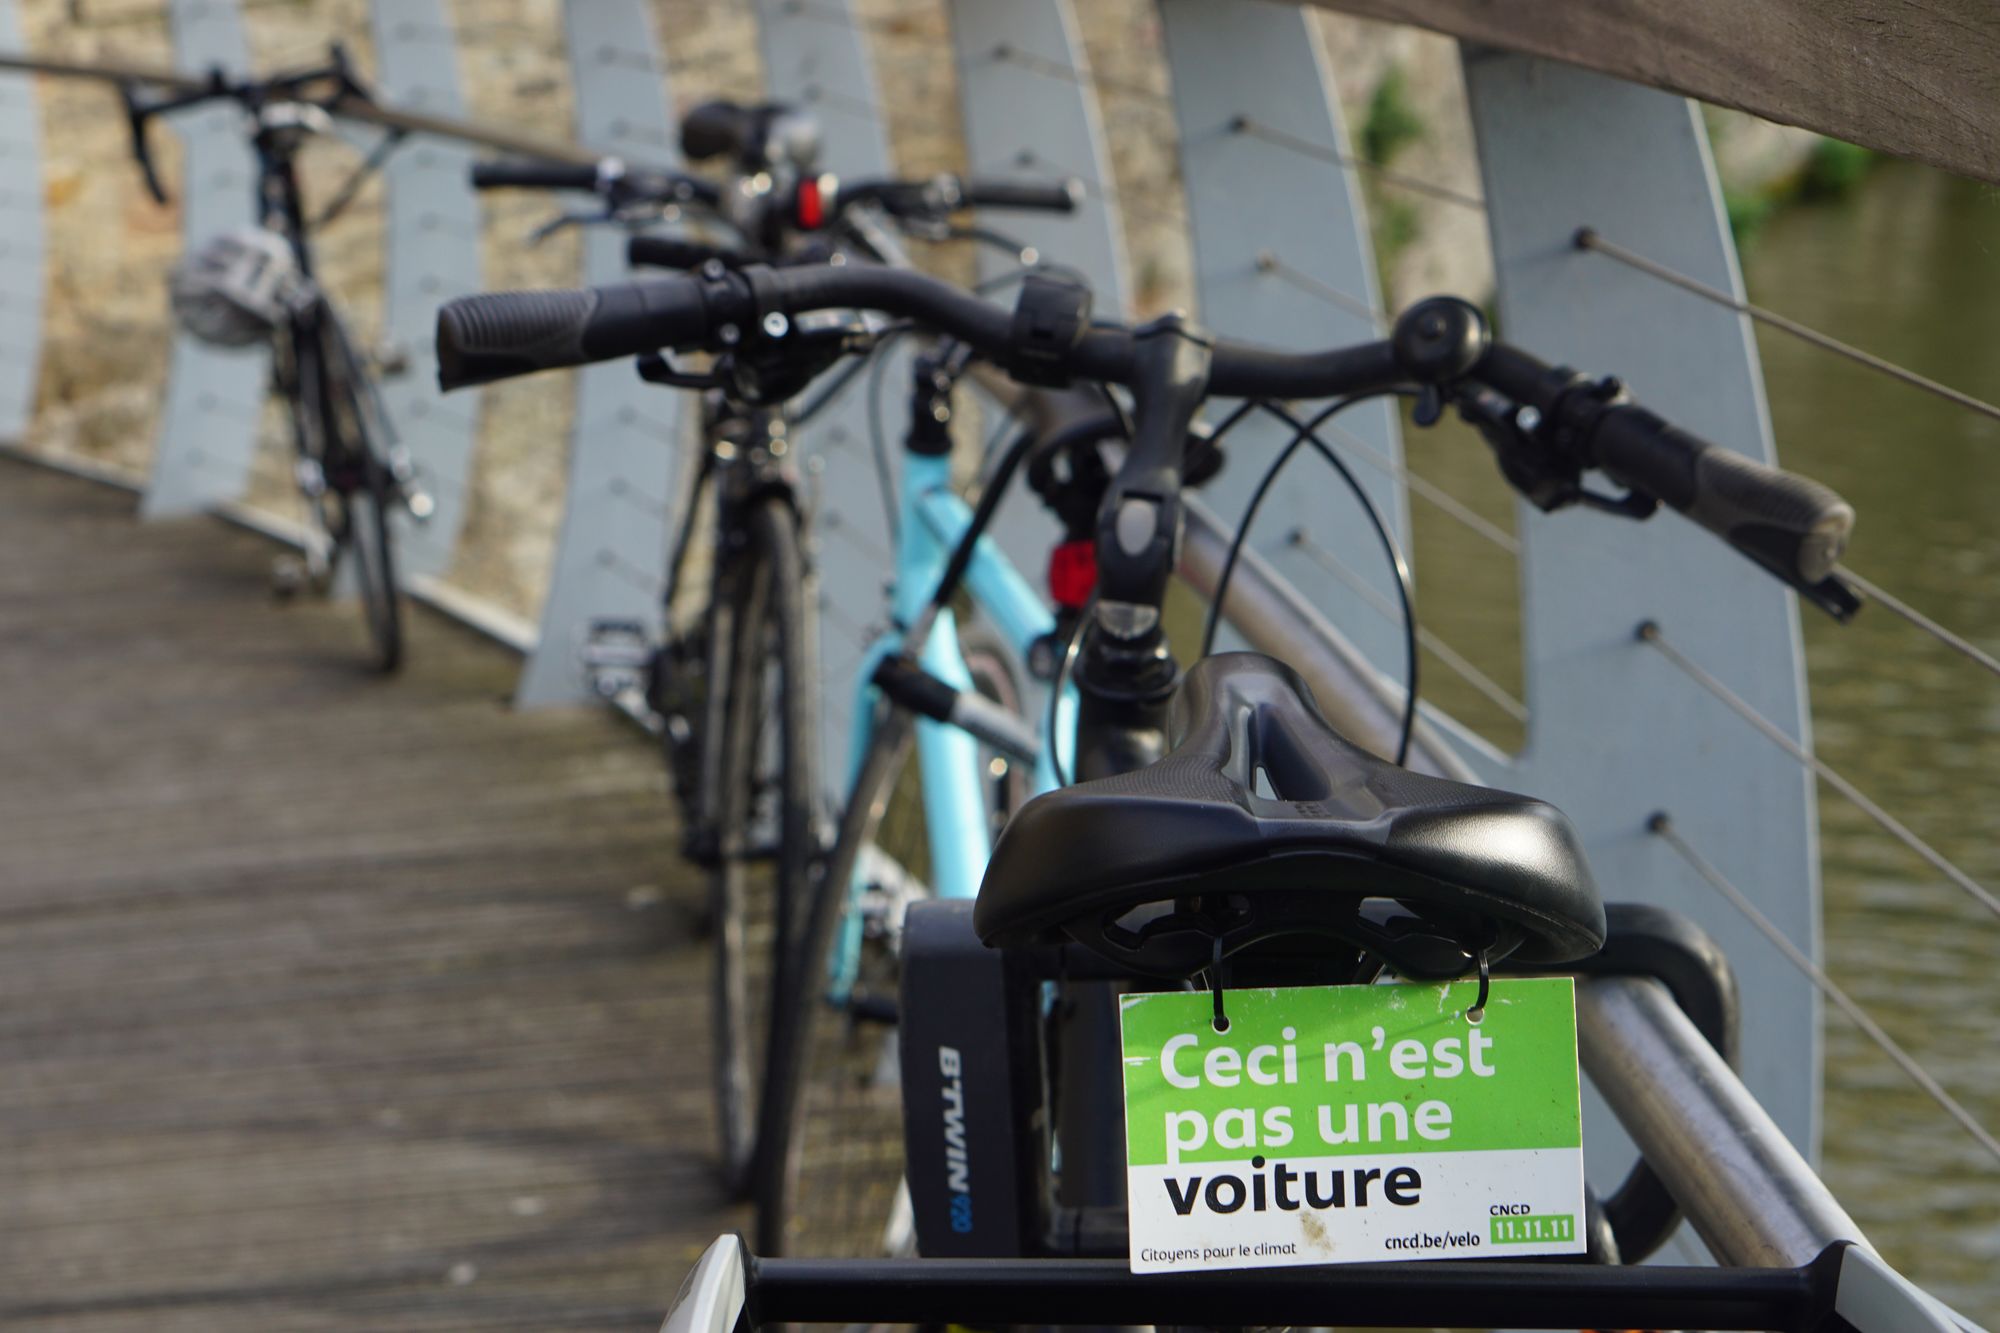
1152	868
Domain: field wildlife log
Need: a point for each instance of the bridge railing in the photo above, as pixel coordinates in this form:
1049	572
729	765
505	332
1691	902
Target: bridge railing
1610	250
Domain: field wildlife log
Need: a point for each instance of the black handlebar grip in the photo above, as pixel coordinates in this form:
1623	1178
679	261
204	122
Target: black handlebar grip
532	175
1792	525
674	252
718	129
1043	196
499	335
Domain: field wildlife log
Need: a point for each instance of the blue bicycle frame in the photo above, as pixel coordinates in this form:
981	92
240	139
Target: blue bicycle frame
933	519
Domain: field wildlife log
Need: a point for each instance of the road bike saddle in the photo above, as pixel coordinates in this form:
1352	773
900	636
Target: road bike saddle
1263	822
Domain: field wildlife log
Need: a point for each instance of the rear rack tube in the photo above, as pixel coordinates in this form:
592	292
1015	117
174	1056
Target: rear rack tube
1395	1295
1751	1197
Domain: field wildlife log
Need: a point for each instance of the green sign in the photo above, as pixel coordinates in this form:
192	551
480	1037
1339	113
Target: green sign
1348	1123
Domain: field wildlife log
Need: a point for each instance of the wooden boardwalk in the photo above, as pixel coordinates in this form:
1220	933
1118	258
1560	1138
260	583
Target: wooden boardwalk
326	1001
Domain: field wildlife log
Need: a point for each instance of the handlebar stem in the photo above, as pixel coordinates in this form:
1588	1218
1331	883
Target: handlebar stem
1125	671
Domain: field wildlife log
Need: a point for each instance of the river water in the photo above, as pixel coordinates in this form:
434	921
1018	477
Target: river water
1908	268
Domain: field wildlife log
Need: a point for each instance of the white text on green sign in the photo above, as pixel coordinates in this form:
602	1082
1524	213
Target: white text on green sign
1350	1123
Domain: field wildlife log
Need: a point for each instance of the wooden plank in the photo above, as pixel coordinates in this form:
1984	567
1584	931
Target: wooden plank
326	1001
1920	79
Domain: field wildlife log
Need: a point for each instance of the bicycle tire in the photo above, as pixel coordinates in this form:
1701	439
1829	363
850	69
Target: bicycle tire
807	1026
359	493
371	544
831	1179
766	636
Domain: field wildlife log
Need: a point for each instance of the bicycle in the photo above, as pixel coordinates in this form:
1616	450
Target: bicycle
734	690
1223	833
1138	876
258	285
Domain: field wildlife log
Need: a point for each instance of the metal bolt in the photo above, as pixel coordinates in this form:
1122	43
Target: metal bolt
729	335
776	325
1528	419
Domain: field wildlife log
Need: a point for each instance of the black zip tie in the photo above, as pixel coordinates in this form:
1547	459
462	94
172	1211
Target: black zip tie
1221	1020
1477	1013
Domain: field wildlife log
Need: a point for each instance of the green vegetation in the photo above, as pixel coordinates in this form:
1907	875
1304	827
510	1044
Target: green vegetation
1832	171
1748	211
1396	224
1392	123
1835	169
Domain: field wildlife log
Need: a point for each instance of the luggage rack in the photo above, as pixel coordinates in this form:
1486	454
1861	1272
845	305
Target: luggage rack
1795	1261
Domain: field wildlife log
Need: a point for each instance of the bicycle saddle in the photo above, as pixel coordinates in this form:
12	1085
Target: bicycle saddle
1152	868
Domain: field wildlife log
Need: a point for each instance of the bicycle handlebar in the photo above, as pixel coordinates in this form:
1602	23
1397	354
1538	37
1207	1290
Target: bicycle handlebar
948	194
1061	196
498	335
532	175
1793	527
1783	521
607	176
678	252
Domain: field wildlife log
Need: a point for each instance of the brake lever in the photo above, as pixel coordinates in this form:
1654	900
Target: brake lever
629	215
350	189
1543	475
562	221
656	368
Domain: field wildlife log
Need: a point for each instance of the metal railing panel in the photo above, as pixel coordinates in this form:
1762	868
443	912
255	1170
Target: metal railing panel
20	238
1615	733
1027	111
1283	257
625	457
214	398
430	255
816	57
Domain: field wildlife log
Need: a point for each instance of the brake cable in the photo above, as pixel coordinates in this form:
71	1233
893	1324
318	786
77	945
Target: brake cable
1306	432
351	187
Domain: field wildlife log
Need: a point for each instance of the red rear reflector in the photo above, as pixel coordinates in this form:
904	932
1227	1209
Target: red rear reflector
812	204
1073	573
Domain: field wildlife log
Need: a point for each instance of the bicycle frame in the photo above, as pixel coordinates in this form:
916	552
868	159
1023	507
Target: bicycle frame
932	519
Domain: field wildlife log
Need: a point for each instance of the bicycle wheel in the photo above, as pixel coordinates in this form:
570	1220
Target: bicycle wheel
763	810
832	1179
355	490
370	546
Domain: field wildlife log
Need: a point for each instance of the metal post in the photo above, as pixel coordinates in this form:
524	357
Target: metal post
816	57
215	398
20	239
625	454
1615	732
431	254
1282	256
